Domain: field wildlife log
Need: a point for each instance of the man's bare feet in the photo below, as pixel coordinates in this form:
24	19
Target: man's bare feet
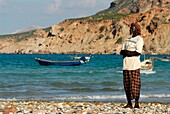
128	106
136	106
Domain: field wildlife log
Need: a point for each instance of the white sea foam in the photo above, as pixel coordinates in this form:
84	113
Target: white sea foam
118	98
110	97
147	72
142	72
156	96
123	96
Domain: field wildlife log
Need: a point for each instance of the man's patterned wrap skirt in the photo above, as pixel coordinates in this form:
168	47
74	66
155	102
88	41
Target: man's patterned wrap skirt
132	83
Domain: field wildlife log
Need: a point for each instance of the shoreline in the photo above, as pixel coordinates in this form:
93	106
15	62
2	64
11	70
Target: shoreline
71	107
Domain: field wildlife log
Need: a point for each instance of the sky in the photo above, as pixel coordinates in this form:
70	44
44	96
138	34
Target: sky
21	14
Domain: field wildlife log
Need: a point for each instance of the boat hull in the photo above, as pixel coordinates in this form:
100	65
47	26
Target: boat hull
58	63
147	65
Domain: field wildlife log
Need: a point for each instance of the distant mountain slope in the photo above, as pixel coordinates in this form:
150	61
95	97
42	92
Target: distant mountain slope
32	27
102	33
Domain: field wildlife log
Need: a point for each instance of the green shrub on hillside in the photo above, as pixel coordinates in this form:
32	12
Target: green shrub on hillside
102	28
119	40
100	36
47	29
107	38
19	36
62	29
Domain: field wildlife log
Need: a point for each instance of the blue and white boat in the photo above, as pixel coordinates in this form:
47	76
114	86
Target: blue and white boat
59	63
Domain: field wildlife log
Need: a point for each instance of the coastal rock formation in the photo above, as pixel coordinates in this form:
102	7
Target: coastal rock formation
100	37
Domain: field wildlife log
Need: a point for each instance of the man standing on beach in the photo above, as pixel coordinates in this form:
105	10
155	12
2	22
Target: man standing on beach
131	51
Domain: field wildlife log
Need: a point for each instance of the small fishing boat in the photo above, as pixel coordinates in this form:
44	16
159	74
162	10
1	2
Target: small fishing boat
147	64
58	63
84	58
166	57
162	59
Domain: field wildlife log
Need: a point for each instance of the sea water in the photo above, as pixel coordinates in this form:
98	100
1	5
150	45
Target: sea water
100	79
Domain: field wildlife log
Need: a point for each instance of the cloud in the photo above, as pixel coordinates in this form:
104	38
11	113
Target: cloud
76	7
2	2
82	3
62	4
55	6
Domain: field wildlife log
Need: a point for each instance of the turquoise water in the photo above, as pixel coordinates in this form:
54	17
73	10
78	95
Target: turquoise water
21	77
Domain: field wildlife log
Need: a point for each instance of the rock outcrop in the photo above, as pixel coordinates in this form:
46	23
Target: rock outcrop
101	37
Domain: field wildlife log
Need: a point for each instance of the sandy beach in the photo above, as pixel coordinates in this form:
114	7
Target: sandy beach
51	107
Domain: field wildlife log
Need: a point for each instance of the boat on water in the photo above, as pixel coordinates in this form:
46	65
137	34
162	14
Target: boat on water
166	57
147	64
162	59
84	58
59	63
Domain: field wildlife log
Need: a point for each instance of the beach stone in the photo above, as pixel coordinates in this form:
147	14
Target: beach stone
5	110
71	103
60	113
80	108
52	113
68	112
29	109
86	103
40	112
67	107
78	112
19	112
84	112
95	111
98	103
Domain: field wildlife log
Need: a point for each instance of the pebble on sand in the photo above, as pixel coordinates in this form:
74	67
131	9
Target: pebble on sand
42	107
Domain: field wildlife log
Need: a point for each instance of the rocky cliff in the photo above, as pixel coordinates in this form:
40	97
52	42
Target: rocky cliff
99	35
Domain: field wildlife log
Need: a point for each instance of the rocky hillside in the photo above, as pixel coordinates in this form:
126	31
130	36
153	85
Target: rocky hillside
102	33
